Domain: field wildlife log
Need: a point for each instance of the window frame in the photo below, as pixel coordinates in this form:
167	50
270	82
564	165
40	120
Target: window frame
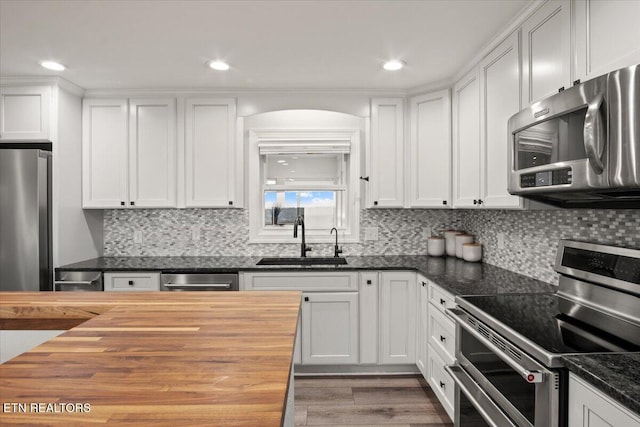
258	232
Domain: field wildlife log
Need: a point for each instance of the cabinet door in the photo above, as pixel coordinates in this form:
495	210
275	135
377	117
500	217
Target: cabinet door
607	36
500	99
369	333
387	141
210	163
24	112
430	151
588	407
152	153
104	153
546	51
423	330
466	141
398	317
330	328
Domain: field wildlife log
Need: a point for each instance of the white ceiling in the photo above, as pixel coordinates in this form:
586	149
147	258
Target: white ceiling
269	44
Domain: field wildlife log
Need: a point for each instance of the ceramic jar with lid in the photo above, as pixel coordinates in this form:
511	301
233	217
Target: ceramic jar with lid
460	240
450	239
435	246
472	252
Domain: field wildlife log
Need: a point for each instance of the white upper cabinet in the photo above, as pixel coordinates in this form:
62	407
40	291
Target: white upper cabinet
607	36
129	153
104	153
466	141
24	112
152	153
546	51
210	162
499	100
387	153
430	151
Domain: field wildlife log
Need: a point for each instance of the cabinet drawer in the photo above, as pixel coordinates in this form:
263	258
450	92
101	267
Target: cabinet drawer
316	281
440	381
442	334
124	282
440	298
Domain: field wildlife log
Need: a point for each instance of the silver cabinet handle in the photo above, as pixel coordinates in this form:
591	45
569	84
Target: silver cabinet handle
459	317
76	282
593	134
489	410
198	285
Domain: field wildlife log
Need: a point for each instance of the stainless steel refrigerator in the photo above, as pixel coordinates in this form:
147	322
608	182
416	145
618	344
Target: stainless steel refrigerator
25	216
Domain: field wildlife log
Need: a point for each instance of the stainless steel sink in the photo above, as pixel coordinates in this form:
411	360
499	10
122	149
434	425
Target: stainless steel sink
303	261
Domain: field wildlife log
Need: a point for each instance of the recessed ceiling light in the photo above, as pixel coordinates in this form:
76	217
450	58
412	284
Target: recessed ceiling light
51	65
281	161
219	65
393	65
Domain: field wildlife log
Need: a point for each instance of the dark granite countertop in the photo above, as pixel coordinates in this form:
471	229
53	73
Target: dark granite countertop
615	374
454	275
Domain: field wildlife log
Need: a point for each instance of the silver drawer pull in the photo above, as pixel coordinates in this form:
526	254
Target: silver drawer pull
198	285
76	282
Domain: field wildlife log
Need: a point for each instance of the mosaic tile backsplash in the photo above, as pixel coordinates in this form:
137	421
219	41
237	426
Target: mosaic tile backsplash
530	237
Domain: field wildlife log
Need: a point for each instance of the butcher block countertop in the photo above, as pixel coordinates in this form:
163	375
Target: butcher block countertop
152	358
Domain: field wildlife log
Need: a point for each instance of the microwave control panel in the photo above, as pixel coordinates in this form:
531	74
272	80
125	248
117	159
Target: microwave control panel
546	178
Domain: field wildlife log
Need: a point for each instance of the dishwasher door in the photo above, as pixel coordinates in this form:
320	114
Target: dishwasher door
199	282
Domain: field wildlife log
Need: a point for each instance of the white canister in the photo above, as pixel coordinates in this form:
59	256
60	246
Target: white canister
460	240
472	252
450	238
435	246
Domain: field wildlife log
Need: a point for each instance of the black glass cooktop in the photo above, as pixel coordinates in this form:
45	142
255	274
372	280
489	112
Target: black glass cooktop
541	319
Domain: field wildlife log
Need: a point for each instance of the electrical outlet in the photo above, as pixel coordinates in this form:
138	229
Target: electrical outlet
195	233
371	233
137	236
500	240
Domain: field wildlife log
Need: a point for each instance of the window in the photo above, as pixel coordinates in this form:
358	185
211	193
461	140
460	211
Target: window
313	174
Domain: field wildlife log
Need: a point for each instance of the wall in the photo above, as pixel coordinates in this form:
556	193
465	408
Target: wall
224	233
77	232
531	237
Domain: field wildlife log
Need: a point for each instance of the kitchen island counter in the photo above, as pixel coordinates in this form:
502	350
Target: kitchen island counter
205	358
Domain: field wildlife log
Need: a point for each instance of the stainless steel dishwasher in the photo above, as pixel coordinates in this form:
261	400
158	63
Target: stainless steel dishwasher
199	282
79	281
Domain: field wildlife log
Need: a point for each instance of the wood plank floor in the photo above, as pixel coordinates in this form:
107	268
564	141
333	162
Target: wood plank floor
390	401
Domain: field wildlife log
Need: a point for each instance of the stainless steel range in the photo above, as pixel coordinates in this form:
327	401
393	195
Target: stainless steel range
509	369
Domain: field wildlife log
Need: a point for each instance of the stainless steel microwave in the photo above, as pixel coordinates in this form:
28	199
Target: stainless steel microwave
581	146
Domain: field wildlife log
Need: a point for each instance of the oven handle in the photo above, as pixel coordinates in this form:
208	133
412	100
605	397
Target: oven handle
480	400
593	134
529	376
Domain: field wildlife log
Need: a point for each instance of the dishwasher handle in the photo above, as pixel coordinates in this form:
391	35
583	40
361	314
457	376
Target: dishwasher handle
198	285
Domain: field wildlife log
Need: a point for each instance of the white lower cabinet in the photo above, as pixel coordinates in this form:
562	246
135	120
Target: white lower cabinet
440	381
330	328
398	317
369	308
441	342
131	282
422	325
589	407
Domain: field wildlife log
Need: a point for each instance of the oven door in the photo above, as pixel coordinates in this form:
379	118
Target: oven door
493	373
